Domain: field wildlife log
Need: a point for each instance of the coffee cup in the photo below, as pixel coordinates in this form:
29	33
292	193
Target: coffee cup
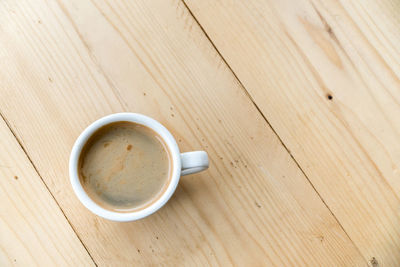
178	164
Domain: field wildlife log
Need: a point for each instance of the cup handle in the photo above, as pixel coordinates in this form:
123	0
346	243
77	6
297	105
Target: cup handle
193	162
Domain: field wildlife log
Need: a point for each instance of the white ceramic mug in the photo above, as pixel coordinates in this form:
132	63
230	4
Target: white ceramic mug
183	164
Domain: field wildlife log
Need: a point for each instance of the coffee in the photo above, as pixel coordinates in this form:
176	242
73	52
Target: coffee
124	166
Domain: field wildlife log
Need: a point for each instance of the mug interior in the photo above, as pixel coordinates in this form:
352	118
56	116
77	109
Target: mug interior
156	204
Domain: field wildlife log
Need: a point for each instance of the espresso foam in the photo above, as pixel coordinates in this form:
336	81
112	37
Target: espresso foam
124	166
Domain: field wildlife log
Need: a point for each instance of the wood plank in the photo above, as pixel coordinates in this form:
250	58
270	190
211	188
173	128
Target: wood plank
74	61
33	230
326	76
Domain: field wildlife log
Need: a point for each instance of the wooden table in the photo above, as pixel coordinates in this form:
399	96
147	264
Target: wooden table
296	101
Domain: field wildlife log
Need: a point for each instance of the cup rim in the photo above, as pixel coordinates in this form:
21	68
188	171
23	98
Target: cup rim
136	118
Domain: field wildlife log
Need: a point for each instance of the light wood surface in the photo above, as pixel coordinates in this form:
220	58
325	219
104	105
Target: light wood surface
33	229
326	76
295	178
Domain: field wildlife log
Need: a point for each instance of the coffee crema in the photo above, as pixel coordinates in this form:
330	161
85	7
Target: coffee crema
125	166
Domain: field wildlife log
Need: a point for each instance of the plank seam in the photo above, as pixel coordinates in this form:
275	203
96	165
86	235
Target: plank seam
41	178
269	124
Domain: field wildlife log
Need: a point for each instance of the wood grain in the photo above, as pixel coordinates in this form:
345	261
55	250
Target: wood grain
72	62
326	76
33	230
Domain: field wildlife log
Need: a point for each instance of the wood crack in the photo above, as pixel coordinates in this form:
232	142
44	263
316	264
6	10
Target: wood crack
333	36
41	178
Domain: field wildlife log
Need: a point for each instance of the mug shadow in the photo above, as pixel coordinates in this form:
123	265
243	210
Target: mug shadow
189	188
172	224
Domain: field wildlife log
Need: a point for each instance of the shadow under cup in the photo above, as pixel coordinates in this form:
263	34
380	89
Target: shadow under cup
125	166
